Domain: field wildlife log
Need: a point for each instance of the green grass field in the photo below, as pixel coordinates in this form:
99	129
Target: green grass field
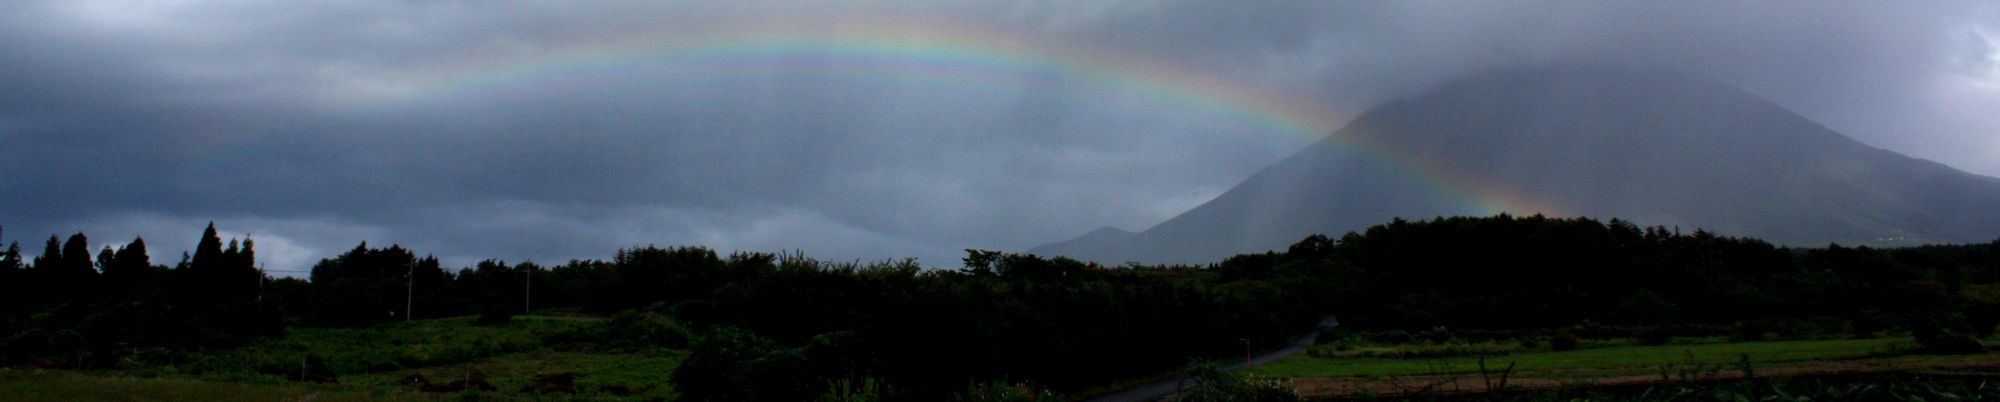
1644	359
367	362
20	385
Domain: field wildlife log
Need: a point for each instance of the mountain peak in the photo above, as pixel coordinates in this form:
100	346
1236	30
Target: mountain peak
1107	231
1650	146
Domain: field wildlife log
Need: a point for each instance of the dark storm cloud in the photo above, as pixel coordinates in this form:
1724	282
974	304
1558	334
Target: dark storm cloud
296	123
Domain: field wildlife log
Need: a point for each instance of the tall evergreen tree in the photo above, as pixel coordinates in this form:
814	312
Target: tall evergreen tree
208	252
248	256
76	273
76	256
11	259
10	274
128	268
133	256
50	258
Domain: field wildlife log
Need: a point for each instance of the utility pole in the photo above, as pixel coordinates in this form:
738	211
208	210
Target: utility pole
410	298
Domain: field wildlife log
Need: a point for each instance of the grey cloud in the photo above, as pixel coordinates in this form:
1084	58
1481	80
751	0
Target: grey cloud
284	119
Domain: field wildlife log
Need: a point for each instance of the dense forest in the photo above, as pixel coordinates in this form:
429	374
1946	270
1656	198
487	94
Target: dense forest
766	324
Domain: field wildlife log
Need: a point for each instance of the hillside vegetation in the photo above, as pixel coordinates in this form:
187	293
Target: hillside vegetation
754	326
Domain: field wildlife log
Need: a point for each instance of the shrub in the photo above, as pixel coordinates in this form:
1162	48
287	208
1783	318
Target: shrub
1868	324
1655	336
1438	351
1936	340
495	316
1001	391
1209	382
733	364
644	328
1328	337
1748	331
1562	342
867	389
1436	335
1391	337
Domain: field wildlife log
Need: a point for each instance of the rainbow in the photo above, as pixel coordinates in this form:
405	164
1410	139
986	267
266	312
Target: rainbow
954	52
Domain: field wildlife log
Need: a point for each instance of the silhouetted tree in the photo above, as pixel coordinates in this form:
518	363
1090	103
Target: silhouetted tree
207	252
129	272
51	256
76	256
365	286
10	273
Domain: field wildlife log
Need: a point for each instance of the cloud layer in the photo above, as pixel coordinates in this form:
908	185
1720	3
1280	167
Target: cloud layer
460	129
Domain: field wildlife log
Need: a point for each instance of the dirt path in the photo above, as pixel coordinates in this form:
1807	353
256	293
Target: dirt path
1331	388
1160	389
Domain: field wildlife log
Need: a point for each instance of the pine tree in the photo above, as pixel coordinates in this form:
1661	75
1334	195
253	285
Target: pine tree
75	275
127	268
51	255
12	258
133	257
248	255
10	261
105	259
208	251
10	274
76	257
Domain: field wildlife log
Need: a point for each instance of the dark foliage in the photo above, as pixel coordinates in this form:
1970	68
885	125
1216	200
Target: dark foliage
786	327
1508	272
68	310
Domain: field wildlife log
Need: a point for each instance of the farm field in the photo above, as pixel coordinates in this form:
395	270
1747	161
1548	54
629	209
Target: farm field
1601	359
1697	360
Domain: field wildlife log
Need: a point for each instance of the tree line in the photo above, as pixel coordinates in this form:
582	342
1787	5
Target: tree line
1053	322
749	319
65	308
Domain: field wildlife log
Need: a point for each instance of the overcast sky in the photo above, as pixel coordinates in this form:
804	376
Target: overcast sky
552	130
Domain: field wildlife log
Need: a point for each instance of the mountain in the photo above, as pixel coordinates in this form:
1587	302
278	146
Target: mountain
1651	147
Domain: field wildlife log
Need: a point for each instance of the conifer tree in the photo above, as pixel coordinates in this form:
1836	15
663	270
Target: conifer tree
10	260
10	274
208	251
51	255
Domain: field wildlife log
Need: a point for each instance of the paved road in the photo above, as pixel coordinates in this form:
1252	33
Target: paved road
1157	390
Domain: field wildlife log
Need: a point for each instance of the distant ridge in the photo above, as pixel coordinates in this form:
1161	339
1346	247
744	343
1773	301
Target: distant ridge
1652	147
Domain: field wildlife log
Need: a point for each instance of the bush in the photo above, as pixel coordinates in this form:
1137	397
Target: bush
1328	337
1209	382
1868	324
495	316
1391	337
1001	391
644	328
1748	331
1654	336
1563	342
1437	335
866	389
1439	351
1935	339
729	364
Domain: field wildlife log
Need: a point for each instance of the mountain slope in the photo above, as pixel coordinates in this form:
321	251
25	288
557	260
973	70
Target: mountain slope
1656	148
